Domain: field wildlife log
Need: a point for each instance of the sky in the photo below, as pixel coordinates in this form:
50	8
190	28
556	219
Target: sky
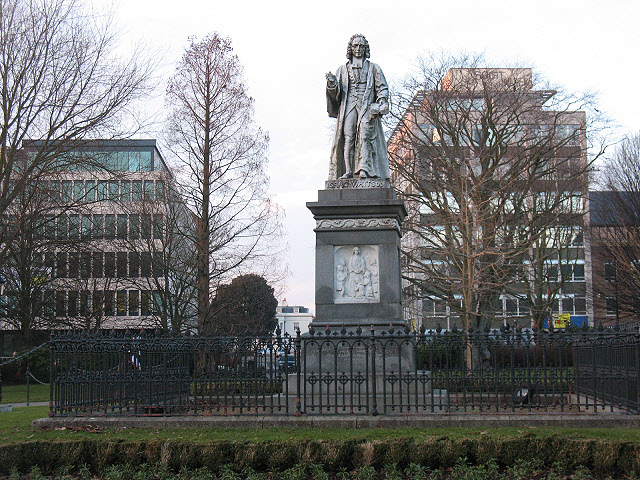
287	46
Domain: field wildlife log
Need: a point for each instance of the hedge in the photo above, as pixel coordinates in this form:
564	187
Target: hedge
615	458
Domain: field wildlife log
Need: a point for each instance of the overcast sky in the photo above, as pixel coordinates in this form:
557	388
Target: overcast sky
287	46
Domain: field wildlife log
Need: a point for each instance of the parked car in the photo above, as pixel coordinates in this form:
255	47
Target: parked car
287	363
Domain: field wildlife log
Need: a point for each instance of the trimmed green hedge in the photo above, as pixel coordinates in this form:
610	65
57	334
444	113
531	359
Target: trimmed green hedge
610	457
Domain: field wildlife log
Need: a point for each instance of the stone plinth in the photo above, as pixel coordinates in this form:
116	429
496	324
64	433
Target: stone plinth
355	355
358	254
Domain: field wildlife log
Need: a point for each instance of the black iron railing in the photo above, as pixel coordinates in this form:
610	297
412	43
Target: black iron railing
346	372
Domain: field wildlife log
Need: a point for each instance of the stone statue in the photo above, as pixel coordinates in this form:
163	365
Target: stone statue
358	96
357	268
341	277
375	276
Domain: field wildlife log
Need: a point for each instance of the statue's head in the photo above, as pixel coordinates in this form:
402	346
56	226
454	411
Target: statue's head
359	39
356	250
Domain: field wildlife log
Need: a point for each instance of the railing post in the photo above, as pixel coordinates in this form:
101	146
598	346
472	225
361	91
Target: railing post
637	352
51	363
372	373
28	384
298	372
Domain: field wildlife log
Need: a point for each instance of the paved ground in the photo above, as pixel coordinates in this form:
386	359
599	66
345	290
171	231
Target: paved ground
31	404
574	420
351	421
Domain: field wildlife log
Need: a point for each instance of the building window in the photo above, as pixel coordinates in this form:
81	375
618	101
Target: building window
125	191
145	264
109	303
90	190
98	267
160	191
110	264
78	190
67	191
578	239
48	303
611	305
158	222
121	303
568	134
74	227
74	264
610	271
145	303
97	226
60	303
49	227
148	190
572	272
122	227
54	191
134	264
136	190
157	264
578	272
511	306
114	190
62	227
85	265
109	226
133	303
434	307
61	264
98	303
85	303
72	305
567	305
157	302
134	227
580	305
103	190
145	230
514	307
121	264
85	227
140	161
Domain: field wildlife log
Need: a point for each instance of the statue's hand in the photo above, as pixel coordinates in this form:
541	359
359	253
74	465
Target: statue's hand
331	79
374	109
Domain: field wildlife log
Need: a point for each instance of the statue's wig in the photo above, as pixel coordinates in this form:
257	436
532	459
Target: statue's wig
367	50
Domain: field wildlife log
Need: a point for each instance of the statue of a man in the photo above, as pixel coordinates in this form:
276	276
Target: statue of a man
358	96
356	266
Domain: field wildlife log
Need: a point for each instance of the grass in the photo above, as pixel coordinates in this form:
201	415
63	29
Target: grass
15	427
18	393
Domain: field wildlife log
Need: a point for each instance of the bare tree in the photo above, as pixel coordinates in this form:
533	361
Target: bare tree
221	159
61	83
158	246
494	170
44	227
615	222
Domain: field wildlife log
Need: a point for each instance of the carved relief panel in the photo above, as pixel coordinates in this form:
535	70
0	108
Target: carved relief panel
356	274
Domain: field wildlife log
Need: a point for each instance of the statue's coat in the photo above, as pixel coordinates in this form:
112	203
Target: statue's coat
371	147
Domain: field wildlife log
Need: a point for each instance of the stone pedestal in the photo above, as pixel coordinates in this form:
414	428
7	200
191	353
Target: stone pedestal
358	280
